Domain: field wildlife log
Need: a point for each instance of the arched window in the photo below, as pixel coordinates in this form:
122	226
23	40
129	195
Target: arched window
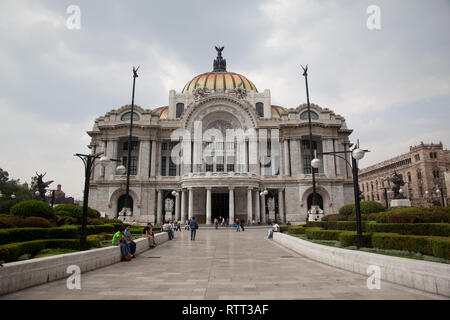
304	115
260	109
179	109
127	116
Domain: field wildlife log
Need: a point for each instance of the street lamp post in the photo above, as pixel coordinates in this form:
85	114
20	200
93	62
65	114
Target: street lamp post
88	161
357	154
314	198
127	189
439	191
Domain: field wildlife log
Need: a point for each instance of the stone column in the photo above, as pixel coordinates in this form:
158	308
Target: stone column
159	207
153	160
249	204
281	205
275	152
263	209
295	157
208	205
177	206
328	160
191	203
257	213
111	152
286	158
231	205
183	206
144	158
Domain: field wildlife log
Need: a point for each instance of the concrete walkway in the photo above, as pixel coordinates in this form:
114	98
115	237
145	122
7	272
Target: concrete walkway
220	264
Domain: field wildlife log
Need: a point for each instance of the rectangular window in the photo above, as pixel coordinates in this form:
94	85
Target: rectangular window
230	164
134	145
163	166
219	164
172	168
209	164
164	146
260	109
133	165
179	109
307	165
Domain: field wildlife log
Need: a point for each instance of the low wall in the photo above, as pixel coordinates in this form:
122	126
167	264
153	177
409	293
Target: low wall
19	275
427	276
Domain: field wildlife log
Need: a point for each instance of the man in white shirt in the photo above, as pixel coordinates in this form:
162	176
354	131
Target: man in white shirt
275	228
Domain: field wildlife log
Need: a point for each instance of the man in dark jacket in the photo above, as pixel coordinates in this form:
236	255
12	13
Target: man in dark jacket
242	224
194	226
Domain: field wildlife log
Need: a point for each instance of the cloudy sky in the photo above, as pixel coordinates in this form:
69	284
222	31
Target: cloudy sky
392	84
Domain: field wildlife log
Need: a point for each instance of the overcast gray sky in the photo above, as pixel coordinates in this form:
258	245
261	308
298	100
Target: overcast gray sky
392	85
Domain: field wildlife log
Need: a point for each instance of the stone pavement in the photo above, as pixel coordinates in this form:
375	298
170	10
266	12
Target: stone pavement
220	264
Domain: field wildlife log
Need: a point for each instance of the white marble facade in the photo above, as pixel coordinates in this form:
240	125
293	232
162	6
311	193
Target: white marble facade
220	117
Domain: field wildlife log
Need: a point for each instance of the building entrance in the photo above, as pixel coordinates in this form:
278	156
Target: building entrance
219	205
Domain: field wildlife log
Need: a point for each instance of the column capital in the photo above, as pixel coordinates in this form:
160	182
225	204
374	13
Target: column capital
208	188
231	187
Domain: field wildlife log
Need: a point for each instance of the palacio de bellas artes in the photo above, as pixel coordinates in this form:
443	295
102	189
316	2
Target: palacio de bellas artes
219	144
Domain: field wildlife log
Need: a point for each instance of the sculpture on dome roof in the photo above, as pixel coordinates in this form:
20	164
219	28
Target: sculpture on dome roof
220	64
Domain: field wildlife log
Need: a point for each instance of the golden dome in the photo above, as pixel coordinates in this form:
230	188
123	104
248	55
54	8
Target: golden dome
219	81
219	78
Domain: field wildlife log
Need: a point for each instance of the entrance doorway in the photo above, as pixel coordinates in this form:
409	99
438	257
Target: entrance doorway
219	205
319	200
121	202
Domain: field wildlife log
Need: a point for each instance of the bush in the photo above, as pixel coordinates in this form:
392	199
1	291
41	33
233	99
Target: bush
316	224
33	222
8	221
347	209
284	228
430	229
63	220
440	247
321	234
28	234
93	221
369	207
10	252
73	211
335	217
33	208
95	229
416	215
296	230
348	238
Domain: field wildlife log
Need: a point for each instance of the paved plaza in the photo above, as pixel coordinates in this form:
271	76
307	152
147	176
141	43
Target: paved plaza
220	264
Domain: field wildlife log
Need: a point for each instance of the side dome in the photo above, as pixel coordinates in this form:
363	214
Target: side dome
219	79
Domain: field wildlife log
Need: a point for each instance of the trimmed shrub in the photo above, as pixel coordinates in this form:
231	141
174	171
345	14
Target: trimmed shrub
35	222
369	207
296	230
33	208
284	228
347	209
28	234
94	221
440	247
70	210
10	252
321	234
335	217
8	221
316	224
348	238
105	228
430	229
63	220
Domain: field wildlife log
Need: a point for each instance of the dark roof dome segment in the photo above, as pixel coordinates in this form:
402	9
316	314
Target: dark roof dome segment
219	78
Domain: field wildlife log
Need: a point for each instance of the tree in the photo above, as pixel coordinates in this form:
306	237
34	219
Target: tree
9	187
4	176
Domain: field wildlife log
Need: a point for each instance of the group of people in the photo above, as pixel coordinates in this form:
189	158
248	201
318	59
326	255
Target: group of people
123	239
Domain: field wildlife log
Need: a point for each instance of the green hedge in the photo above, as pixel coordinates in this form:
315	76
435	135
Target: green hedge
296	230
33	208
67	232
429	229
70	210
284	228
348	238
369	207
10	252
347	209
435	246
321	234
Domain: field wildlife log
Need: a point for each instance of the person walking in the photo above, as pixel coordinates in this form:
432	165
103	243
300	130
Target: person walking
194	226
216	223
238	227
242	225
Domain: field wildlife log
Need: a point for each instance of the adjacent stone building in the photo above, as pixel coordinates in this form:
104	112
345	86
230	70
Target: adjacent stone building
218	144
423	169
